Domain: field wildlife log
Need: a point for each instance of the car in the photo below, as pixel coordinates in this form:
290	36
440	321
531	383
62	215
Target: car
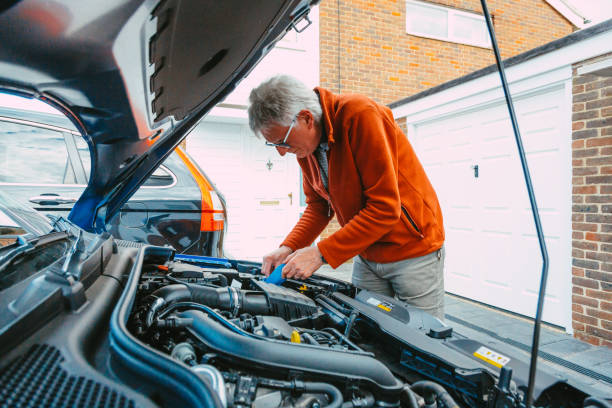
45	163
87	319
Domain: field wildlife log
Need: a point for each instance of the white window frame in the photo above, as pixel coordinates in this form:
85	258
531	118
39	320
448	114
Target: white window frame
452	14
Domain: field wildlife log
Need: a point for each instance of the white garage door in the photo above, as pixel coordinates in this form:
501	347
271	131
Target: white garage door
260	187
492	251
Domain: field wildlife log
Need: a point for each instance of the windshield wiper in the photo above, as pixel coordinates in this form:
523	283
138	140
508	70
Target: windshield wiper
23	246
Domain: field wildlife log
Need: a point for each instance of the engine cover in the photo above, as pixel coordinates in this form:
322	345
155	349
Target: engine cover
286	303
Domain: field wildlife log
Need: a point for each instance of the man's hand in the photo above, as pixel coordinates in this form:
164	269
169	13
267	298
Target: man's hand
302	263
274	258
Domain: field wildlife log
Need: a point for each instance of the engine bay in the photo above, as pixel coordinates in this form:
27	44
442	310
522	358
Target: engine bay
319	342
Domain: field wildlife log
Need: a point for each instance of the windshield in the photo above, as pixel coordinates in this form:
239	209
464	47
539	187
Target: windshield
30	261
17	220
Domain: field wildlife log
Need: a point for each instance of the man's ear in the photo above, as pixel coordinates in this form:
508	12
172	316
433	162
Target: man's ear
306	115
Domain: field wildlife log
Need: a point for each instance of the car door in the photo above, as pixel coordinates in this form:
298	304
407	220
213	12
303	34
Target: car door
36	166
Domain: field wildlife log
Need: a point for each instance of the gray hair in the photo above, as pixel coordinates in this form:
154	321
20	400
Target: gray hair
278	100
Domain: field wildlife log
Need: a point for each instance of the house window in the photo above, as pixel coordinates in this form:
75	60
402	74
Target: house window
446	24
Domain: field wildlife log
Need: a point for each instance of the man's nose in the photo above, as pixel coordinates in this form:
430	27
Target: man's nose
282	150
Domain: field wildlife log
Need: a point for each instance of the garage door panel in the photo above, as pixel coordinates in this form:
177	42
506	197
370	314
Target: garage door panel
492	251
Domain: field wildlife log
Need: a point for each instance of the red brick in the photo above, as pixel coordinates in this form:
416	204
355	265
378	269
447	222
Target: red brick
587	301
599	332
578	308
600	103
589	236
584	245
585	190
598	275
599	256
579	116
585	282
603	199
578	226
577	317
596	341
585	171
598	123
600	141
598	294
577	290
579	327
599	314
600	218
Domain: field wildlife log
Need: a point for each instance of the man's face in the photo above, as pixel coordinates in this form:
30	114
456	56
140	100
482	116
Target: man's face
303	137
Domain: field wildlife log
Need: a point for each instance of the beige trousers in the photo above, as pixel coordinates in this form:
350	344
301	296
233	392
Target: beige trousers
416	281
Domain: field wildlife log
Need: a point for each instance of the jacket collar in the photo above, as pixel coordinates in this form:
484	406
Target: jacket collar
328	102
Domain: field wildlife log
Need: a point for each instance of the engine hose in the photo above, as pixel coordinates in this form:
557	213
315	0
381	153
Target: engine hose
287	357
408	398
427	389
335	304
334	394
226	298
593	402
367	401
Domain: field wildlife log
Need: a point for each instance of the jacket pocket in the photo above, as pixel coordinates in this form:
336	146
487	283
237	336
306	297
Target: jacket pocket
412	225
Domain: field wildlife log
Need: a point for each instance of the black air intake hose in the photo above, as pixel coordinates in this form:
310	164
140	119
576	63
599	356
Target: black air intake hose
228	298
430	389
277	356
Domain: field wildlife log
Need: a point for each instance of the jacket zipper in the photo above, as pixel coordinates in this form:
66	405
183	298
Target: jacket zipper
411	221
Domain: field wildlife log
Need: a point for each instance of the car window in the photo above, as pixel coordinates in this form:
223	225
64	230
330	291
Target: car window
33	155
83	150
161	177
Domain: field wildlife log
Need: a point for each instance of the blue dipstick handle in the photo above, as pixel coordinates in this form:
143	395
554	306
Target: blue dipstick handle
276	277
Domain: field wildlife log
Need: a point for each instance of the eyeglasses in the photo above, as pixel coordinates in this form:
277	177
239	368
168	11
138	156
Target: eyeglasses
283	144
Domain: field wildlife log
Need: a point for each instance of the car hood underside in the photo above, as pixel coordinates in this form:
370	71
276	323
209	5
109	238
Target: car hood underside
133	75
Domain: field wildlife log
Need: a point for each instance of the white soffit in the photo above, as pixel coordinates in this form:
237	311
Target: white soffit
601	68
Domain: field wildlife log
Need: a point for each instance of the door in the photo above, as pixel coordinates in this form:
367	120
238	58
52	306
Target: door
261	189
492	251
36	165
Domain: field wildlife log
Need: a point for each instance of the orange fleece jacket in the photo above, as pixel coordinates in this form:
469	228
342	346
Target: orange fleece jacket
378	189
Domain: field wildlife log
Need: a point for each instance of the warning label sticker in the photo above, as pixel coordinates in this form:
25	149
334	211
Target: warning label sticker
492	357
386	306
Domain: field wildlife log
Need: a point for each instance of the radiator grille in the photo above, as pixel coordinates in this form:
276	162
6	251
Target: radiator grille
37	379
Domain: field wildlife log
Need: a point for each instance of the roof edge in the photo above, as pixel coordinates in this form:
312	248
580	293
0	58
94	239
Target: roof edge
517	59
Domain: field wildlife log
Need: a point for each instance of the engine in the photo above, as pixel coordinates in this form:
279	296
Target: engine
314	343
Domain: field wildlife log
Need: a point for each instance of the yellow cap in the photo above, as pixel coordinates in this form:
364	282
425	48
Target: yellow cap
295	337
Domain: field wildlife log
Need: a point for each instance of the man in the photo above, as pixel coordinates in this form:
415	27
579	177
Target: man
358	165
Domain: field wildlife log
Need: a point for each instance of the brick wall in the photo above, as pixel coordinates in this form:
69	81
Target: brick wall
592	207
379	59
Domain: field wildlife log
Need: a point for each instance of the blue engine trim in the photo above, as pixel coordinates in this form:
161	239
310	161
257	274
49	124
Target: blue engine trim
204	260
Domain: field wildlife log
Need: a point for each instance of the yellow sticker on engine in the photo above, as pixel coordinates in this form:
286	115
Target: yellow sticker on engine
303	288
386	306
491	357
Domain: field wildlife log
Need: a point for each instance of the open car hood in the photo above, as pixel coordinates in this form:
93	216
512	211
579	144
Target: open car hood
134	76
